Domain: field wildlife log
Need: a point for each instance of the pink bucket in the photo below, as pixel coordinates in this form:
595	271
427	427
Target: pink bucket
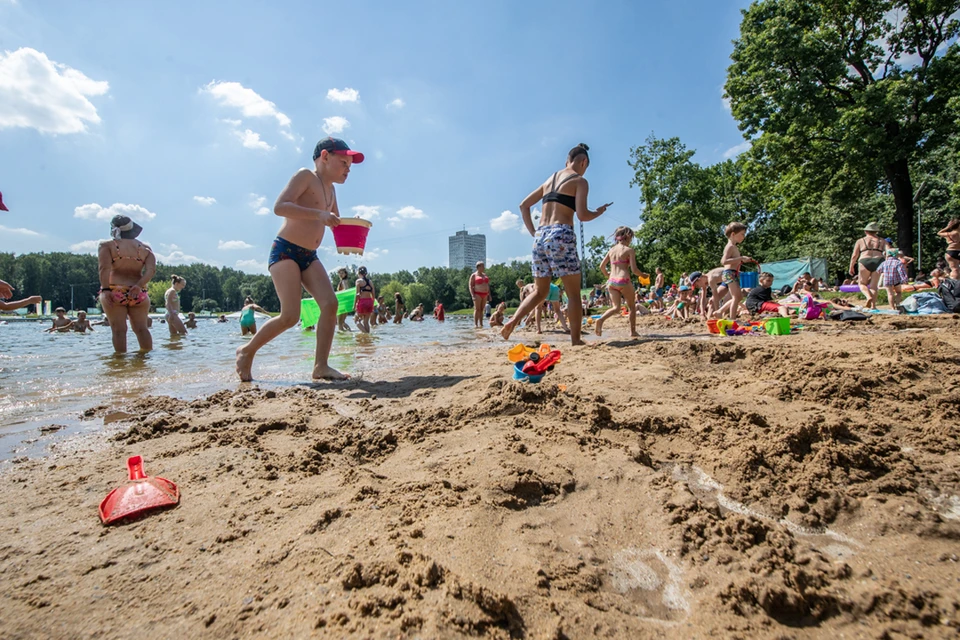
351	235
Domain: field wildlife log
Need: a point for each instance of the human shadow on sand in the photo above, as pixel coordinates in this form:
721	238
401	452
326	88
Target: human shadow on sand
403	388
654	337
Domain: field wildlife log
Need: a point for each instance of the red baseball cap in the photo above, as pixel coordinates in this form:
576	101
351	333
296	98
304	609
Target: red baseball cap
3	207
337	146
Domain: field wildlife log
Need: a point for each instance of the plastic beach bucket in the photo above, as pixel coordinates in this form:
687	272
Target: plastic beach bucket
777	326
749	279
712	326
351	235
518	374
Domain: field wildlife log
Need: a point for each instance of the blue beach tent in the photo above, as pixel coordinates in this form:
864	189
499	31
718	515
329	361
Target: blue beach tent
786	272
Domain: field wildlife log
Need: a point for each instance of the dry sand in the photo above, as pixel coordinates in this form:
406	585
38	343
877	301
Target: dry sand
776	487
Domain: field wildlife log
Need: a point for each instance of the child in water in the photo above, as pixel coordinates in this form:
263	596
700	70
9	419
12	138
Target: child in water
61	323
308	205
496	318
622	260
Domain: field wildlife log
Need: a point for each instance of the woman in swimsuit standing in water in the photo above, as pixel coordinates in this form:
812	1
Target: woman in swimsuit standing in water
555	244
363	307
172	301
480	292
868	255
952	234
126	266
623	261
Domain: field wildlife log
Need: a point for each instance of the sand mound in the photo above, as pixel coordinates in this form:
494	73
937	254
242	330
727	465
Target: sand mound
660	487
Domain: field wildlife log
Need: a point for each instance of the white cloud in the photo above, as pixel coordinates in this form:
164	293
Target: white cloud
335	124
176	258
45	95
94	211
405	214
20	231
343	95
251	140
231	122
411	213
205	200
366	212
252	266
396	103
250	103
733	152
505	221
87	246
230	245
256	203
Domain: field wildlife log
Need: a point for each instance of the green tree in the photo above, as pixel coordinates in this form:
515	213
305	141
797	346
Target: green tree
683	207
156	289
821	88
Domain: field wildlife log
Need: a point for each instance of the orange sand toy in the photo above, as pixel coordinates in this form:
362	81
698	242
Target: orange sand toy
522	352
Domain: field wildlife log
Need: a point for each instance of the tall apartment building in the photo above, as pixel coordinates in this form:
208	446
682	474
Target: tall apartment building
467	249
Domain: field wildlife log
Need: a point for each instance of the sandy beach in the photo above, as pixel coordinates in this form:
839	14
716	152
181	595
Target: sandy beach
803	486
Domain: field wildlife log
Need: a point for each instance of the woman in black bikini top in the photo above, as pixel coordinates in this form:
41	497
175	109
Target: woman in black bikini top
866	258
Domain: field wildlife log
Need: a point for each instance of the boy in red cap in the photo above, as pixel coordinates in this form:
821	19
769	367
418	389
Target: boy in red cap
308	204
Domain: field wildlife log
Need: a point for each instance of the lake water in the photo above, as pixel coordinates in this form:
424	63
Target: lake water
52	378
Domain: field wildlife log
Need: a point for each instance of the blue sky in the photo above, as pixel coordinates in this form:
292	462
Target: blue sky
191	118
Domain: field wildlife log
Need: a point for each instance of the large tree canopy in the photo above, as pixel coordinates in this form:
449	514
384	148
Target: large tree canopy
841	97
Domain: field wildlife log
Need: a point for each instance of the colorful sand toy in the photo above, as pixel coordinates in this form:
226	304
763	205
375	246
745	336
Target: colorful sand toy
522	352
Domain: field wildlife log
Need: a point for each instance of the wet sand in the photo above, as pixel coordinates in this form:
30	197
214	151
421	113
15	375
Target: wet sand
802	486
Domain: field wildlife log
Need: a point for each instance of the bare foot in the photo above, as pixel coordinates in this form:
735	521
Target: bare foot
328	373
634	335
598	328
244	364
506	331
578	343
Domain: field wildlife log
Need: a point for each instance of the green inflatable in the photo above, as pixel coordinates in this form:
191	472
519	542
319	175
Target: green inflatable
310	311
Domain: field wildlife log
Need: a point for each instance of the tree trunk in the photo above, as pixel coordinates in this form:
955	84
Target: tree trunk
898	174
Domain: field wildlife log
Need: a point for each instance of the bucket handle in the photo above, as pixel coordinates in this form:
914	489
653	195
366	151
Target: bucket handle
135	466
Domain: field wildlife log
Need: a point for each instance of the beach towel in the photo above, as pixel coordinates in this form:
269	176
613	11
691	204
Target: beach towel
847	316
929	304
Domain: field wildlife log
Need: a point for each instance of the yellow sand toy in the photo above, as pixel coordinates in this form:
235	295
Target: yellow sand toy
522	352
644	280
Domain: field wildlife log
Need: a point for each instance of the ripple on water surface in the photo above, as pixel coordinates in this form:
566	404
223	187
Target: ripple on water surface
52	378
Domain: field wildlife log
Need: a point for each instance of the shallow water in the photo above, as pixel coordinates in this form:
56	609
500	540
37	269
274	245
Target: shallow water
50	379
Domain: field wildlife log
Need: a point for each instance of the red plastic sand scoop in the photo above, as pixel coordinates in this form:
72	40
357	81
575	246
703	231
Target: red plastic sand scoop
140	494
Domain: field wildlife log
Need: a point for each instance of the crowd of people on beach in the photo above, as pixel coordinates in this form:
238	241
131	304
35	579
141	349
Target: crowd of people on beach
308	205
